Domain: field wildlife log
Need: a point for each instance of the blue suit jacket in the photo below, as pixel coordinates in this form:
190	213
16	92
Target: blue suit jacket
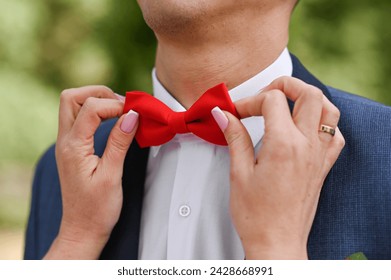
354	212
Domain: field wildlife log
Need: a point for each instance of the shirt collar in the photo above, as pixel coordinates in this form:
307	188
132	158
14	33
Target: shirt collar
282	66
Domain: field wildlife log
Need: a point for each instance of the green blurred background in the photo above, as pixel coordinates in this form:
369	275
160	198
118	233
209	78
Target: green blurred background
49	45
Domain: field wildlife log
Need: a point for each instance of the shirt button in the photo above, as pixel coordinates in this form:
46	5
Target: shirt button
184	210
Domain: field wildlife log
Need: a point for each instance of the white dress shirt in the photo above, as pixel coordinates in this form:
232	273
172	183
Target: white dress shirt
185	212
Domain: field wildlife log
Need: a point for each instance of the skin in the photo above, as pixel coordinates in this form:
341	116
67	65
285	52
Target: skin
200	44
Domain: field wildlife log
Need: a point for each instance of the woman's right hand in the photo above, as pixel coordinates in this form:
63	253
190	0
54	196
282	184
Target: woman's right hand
91	186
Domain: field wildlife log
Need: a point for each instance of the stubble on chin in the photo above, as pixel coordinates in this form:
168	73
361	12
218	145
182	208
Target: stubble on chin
168	20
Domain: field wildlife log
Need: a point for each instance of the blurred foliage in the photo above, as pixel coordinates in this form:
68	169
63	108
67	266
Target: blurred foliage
49	45
346	44
14	194
46	46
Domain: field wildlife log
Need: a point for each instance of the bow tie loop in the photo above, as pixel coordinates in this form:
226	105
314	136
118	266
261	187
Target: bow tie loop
158	124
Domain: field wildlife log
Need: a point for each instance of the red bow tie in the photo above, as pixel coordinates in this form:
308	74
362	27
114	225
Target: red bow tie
158	124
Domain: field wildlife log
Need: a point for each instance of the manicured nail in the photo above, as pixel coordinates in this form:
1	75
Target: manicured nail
120	97
220	118
129	121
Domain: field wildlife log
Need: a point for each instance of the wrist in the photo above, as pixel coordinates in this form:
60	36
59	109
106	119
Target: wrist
276	254
73	244
277	250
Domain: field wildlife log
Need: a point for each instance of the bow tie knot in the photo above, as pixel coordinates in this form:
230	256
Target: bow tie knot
158	124
177	123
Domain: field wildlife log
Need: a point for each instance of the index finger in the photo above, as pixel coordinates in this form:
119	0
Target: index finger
309	104
272	105
72	100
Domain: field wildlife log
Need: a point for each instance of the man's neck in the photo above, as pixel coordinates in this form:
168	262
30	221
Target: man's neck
187	69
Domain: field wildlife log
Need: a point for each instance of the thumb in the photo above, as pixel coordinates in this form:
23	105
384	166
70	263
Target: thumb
121	136
239	142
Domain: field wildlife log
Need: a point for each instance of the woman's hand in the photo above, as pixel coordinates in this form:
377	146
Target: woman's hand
274	195
91	186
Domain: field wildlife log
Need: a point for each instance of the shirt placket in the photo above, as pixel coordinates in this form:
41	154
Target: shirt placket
185	198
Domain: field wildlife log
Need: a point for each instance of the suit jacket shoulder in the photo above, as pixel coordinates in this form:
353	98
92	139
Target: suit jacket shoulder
345	101
353	213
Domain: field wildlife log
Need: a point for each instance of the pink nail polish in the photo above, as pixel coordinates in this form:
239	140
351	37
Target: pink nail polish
120	97
220	118
129	121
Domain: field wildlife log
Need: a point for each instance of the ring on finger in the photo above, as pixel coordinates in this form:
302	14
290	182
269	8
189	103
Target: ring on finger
327	129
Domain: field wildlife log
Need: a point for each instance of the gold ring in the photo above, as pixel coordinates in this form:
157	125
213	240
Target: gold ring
327	129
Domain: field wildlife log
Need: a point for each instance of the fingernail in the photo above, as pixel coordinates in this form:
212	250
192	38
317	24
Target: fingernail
120	97
220	118
129	121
